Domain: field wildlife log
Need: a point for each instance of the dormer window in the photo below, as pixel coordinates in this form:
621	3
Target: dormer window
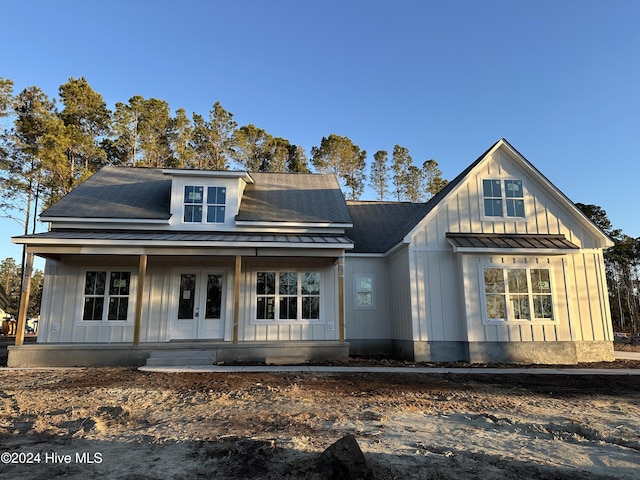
503	198
195	201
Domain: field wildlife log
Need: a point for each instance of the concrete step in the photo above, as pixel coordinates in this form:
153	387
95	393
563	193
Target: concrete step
175	357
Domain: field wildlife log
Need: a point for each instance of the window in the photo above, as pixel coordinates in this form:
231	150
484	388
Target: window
501	202
216	199
106	296
363	291
288	296
194	202
517	294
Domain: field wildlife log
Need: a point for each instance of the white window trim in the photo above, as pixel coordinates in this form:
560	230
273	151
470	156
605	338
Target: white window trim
356	277
518	266
285	321
79	321
504	216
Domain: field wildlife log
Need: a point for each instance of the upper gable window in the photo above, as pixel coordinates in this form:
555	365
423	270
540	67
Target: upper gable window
503	198
195	202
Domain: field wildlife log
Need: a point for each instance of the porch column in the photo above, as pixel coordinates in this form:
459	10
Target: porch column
236	297
142	273
24	299
341	297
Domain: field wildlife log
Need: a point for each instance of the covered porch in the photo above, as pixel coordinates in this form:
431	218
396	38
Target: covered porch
184	292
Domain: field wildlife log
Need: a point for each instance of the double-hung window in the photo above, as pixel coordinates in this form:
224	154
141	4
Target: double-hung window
503	198
199	199
288	296
106	295
363	291
518	294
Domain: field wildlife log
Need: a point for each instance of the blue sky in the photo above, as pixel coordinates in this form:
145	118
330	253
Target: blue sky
559	79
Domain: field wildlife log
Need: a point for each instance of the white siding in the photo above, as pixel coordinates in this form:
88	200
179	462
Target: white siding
61	312
367	323
402	287
446	291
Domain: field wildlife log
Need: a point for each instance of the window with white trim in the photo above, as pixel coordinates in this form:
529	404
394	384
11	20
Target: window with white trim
287	296
195	204
106	296
363	291
503	198
517	294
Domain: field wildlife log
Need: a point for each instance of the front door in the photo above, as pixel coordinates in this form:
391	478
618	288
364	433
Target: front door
200	305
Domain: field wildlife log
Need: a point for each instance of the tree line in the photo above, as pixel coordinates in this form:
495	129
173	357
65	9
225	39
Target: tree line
48	146
622	264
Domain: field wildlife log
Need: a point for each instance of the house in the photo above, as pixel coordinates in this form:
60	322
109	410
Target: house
499	266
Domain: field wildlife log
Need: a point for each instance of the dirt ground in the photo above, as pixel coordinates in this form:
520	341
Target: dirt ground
125	424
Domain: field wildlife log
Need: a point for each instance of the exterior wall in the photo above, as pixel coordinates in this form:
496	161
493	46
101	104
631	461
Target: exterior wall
447	286
63	292
368	329
402	288
578	296
462	210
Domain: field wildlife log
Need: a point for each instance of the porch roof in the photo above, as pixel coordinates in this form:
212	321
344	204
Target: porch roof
185	239
525	243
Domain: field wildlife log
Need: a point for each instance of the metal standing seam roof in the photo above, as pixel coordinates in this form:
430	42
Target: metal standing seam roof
499	240
191	237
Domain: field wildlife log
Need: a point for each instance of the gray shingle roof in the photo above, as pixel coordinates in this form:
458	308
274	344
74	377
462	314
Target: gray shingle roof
118	192
378	226
293	197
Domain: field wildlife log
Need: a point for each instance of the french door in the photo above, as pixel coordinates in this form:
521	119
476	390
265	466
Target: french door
199	305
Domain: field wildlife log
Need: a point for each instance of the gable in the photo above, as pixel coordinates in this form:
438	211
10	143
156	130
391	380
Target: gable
525	201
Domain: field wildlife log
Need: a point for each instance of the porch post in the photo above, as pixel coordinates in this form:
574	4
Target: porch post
341	297
142	273
236	297
24	299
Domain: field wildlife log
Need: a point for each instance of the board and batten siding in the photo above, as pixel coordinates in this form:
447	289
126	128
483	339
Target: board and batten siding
60	320
371	322
326	328
446	286
402	288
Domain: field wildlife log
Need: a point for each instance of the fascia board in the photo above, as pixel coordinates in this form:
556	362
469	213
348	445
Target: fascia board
208	173
85	220
250	223
515	251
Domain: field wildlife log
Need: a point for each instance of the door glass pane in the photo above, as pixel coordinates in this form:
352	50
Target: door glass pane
187	296
214	296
